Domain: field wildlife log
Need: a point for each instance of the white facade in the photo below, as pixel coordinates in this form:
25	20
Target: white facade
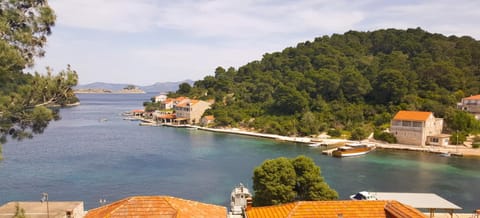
471	104
160	98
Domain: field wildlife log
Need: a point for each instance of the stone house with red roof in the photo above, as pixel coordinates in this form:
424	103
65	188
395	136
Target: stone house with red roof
418	128
170	103
191	111
207	120
471	104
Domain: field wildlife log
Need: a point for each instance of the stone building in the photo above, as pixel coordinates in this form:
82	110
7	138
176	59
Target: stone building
418	128
191	111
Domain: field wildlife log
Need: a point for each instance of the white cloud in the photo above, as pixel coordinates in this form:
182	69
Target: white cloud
106	15
243	19
440	16
235	19
146	41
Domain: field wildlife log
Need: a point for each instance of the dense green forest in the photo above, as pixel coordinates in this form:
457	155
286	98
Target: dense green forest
28	101
353	82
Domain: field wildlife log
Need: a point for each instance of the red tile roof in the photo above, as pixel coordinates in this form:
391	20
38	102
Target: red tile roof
209	117
473	97
348	209
397	209
181	98
412	115
157	206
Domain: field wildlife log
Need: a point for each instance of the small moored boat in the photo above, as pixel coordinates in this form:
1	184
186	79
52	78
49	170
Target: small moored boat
353	149
363	195
240	199
445	154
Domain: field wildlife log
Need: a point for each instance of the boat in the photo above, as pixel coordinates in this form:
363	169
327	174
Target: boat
445	154
132	118
240	199
315	144
363	195
353	149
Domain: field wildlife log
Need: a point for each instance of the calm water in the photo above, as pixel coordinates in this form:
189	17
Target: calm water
81	158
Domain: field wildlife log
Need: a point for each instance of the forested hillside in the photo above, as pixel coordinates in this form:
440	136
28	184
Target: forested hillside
356	82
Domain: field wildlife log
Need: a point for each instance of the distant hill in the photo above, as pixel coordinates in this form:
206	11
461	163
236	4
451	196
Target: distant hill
164	86
156	87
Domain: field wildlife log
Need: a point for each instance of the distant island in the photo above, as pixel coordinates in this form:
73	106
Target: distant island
106	91
130	89
101	87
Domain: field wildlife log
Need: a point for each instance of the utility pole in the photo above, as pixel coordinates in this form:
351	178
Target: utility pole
45	198
456	146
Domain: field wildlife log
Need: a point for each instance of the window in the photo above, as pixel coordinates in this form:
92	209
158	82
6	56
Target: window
417	124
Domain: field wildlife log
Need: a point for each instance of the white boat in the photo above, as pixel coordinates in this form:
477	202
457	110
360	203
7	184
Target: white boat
315	144
240	198
132	118
353	149
363	195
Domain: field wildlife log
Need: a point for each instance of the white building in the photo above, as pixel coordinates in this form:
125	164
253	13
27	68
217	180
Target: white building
471	104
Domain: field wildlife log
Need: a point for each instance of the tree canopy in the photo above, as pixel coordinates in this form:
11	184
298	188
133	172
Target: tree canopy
346	81
28	101
283	180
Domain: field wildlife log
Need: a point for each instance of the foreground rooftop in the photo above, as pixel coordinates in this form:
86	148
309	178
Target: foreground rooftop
336	209
158	206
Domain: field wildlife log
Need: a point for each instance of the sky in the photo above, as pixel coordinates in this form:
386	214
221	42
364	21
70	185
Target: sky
142	42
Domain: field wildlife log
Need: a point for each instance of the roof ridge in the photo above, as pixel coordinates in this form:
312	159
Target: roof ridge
119	202
166	198
292	211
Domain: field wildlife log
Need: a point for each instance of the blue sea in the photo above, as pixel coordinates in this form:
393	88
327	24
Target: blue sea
82	157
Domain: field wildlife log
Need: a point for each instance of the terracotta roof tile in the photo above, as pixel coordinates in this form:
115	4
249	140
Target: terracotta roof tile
412	115
473	97
183	104
181	98
209	117
157	206
363	209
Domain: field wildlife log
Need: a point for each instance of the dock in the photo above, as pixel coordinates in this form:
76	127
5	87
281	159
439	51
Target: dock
329	151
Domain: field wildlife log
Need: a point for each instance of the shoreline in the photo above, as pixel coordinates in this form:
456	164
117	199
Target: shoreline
457	151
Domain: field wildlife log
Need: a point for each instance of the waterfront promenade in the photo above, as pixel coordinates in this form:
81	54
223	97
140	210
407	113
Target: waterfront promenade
453	150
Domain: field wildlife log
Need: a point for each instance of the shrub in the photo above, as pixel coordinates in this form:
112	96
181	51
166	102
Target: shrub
358	134
334	132
458	138
384	136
